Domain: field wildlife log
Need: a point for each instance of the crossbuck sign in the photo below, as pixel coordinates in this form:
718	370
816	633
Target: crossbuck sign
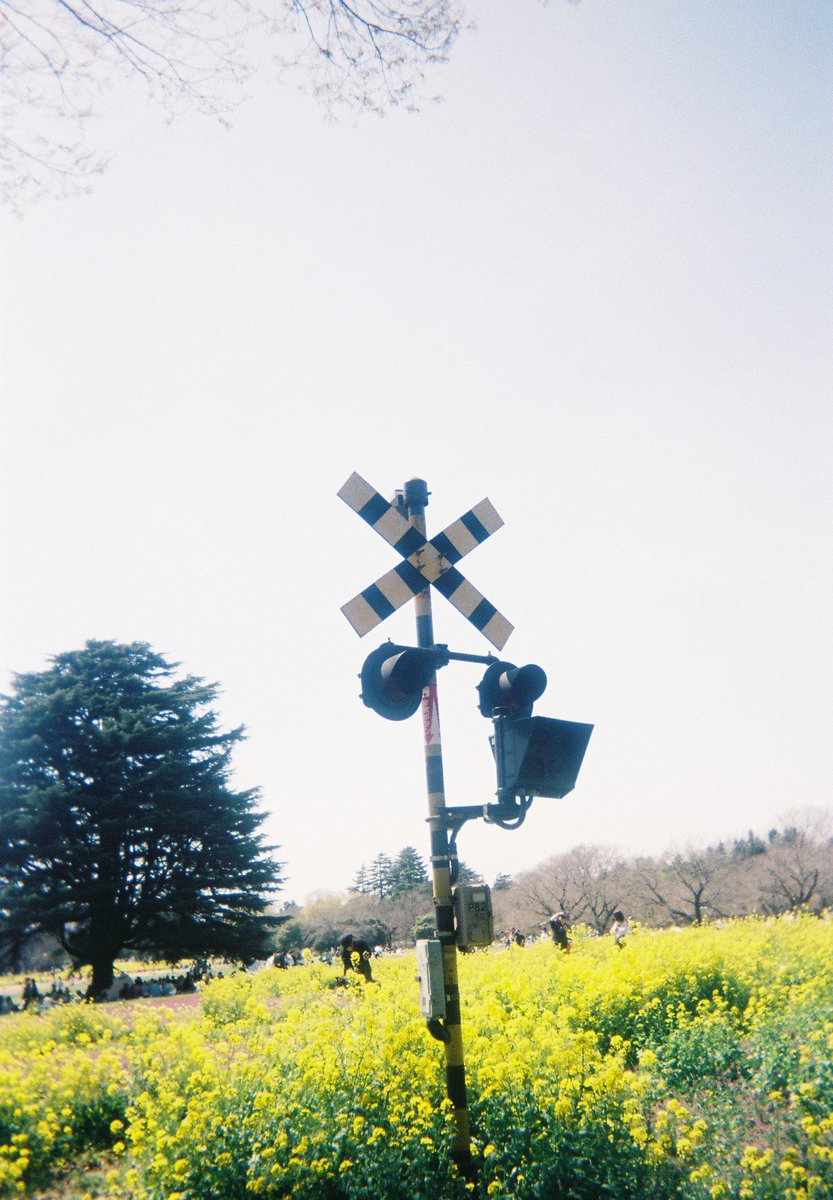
425	562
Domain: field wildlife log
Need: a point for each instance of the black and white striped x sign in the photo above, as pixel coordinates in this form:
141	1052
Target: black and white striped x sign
425	562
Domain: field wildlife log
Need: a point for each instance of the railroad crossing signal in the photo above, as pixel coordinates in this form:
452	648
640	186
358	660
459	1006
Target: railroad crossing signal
512	688
535	756
425	562
394	678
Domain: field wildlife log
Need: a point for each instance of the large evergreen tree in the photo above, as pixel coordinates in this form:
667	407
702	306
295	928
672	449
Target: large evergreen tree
409	871
118	826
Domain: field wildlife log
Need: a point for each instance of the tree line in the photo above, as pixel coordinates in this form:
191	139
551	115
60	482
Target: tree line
788	869
387	876
390	902
120	831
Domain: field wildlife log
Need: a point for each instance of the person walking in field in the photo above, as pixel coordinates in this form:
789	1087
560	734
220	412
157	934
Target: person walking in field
559	927
356	956
620	928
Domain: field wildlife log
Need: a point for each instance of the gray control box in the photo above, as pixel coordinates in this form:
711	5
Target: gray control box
473	915
429	954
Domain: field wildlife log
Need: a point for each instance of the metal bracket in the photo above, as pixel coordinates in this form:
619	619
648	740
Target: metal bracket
454	818
459	814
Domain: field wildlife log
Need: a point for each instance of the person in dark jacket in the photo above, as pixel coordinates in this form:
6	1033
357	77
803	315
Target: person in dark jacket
356	956
31	993
558	928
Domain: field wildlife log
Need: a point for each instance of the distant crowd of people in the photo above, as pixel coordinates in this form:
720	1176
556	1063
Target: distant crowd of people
33	997
355	956
123	987
164	985
559	929
354	953
289	958
298	958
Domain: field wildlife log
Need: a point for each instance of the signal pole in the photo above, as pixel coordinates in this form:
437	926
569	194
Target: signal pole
415	498
535	756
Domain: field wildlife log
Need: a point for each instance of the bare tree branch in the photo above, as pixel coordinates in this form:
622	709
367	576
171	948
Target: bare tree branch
58	56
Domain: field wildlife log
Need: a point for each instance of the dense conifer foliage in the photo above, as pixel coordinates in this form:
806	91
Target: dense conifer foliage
119	829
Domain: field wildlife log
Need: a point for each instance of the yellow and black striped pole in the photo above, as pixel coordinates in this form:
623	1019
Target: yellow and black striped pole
415	495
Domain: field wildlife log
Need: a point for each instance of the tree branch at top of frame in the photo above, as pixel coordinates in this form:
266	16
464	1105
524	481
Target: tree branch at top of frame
59	56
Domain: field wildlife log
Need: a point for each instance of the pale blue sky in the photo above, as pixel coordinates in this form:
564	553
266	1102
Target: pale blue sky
594	284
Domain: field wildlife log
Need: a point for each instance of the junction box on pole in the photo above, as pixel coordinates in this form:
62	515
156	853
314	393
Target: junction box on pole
429	954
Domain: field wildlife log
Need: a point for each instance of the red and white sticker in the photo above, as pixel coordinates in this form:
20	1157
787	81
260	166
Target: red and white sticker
430	715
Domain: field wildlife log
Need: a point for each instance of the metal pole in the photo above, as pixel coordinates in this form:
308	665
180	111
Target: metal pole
416	499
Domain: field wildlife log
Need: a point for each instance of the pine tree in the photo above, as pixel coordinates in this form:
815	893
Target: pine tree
361	882
379	876
118	828
408	871
467	874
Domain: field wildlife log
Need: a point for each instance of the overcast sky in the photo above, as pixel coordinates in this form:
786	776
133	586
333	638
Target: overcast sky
595	285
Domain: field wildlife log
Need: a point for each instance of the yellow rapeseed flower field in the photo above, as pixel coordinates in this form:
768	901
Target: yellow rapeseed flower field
694	1063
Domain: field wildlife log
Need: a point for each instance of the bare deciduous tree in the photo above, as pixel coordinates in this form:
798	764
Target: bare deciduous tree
402	911
59	56
539	893
588	883
688	886
369	54
796	870
595	873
